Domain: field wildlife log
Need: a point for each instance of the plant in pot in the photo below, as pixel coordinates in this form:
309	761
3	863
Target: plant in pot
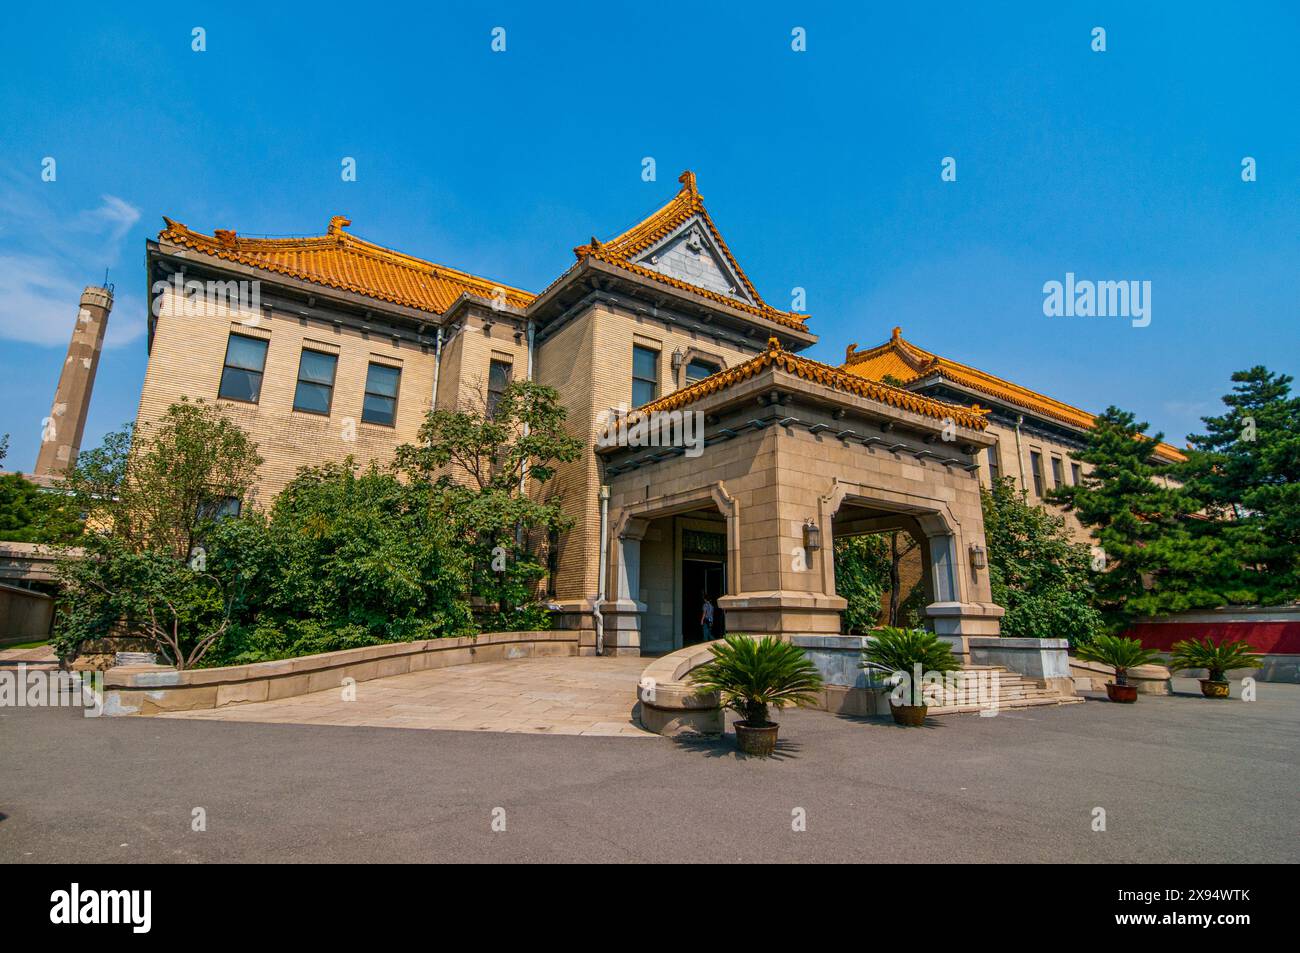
1217	660
1121	654
751	676
900	652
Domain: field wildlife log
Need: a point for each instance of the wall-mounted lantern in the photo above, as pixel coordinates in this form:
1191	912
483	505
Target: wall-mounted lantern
978	556
812	536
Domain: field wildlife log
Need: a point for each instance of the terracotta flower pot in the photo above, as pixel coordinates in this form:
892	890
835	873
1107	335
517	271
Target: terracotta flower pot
757	740
911	716
1125	694
1213	689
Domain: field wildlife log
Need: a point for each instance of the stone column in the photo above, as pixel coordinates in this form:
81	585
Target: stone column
62	430
622	612
961	607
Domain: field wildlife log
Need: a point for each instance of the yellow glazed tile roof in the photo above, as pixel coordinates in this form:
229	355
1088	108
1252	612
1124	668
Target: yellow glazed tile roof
620	251
905	362
972	417
340	260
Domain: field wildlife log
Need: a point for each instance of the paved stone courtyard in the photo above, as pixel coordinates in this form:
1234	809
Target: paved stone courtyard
555	696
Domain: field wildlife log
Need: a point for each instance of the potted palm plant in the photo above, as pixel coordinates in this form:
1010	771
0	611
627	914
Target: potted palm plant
1217	660
899	651
752	676
1121	654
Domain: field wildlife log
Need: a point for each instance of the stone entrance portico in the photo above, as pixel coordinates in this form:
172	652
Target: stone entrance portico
796	453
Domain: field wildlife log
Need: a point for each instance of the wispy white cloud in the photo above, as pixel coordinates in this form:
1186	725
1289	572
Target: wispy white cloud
48	257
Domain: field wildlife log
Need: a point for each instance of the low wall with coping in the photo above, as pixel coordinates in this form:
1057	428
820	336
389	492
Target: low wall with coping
153	689
669	704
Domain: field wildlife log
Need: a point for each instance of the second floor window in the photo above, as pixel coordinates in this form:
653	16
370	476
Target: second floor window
380	403
1076	474
498	381
645	375
1036	464
699	369
241	378
995	465
315	390
1058	472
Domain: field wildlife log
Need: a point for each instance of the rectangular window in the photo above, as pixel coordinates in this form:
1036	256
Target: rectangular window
1076	475
379	406
498	381
219	508
315	390
995	465
1058	472
699	369
1036	464
241	377
645	375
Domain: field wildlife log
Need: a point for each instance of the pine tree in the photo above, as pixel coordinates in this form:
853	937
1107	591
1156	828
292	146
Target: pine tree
1148	561
1244	471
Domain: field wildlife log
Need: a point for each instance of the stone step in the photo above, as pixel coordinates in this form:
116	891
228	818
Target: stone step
1019	703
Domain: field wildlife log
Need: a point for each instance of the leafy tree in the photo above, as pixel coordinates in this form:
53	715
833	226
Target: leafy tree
1152	564
1244	472
115	589
1037	572
484	467
150	498
158	487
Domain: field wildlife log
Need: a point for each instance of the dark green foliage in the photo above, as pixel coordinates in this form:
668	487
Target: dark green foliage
114	588
29	514
862	578
1041	576
474	463
1139	517
753	675
1244	472
346	558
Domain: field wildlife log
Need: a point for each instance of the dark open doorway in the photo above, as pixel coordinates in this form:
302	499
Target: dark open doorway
701	576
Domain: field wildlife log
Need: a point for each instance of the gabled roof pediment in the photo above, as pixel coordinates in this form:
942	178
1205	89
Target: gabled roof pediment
681	246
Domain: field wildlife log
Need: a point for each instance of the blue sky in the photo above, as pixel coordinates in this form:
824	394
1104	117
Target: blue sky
822	168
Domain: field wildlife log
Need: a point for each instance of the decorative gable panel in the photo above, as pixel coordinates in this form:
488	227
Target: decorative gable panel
690	254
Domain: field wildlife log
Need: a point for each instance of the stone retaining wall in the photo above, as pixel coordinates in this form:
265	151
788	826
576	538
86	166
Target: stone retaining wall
153	689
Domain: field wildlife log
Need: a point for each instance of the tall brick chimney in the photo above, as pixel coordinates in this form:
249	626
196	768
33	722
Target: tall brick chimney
62	430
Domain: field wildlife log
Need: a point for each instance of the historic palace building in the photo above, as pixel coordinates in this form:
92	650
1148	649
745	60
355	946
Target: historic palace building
329	346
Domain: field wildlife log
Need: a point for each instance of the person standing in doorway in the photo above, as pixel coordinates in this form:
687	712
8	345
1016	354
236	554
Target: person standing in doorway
706	619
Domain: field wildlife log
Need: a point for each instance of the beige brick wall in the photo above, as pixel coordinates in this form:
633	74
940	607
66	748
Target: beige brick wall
589	361
187	359
467	356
